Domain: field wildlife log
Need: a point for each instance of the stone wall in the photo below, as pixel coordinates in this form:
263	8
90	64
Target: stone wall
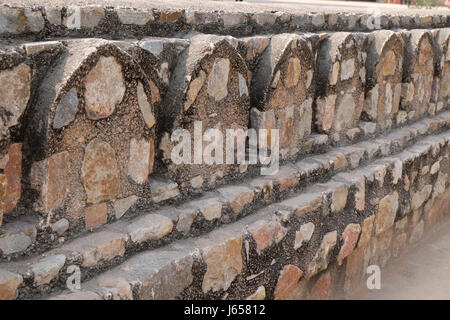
87	179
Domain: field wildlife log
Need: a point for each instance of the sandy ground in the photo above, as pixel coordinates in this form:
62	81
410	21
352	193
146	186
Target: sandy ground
422	272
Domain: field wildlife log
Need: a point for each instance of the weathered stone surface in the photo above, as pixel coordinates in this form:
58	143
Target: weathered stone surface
9	283
194	89
17	236
140	163
366	231
243	88
303	235
116	286
287	281
47	269
325	112
420	197
99	172
417	232
15	86
133	16
105	88
218	79
163	190
266	233
99	246
95	215
322	288
224	263
347	69
320	260
144	105
293	72
150	227
387	209
20	20
51	177
13	175
61	226
339	198
350	237
66	109
77	295
83	17
238	197
122	205
211	208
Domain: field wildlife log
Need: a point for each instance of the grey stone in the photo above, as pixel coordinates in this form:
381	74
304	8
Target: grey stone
122	205
60	226
149	227
154	46
133	16
47	269
66	110
163	190
218	79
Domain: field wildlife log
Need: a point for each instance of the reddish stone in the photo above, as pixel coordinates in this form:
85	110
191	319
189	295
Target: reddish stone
287	282
13	174
322	288
57	183
350	237
2	196
266	233
95	215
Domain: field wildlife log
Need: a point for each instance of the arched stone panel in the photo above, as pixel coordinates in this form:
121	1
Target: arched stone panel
209	85
418	73
383	78
441	84
96	117
341	72
282	90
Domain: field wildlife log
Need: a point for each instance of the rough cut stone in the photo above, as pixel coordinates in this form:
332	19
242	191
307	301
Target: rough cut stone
99	172
387	209
420	197
194	89
15	86
133	16
238	197
259	294
140	163
287	281
150	227
66	109
223	264
350	237
13	175
96	215
320	260
61	226
47	269
303	235
98	246
105	88
163	190
266	233
218	79
294	70
122	205
322	288
211	209
18	20
9	283
145	106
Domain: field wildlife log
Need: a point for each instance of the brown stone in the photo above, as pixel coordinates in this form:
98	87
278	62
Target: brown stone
292	75
287	281
339	198
2	196
141	159
149	227
366	231
355	267
99	172
144	105
13	175
224	263
9	283
387	210
95	215
420	197
54	192
170	16
322	288
266	233
15	87
350	237
398	244
321	258
105	88
238	197
194	89
98	246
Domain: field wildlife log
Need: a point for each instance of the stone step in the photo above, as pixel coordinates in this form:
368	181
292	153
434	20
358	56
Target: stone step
344	194
42	20
229	202
299	247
